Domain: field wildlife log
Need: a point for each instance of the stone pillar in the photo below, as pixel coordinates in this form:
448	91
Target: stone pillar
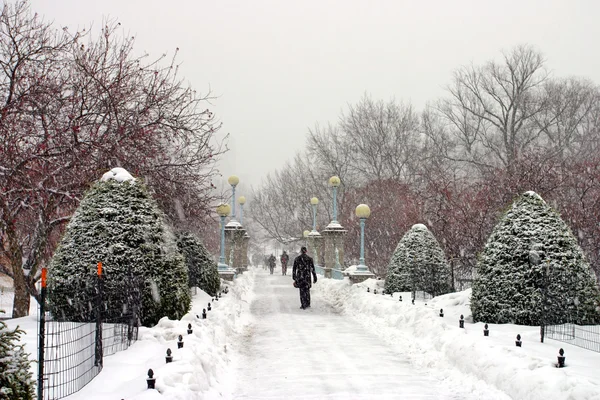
333	238
234	244
314	245
244	256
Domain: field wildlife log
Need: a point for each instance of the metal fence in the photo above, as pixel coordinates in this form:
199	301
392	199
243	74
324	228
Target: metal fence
585	336
71	351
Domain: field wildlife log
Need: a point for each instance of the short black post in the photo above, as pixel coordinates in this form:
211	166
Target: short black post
561	358
203	313
391	294
486	331
442	312
368	290
518	341
461	322
208	307
151	380
374	291
400	299
218	295
413	302
169	357
180	342
226	289
190	329
216	298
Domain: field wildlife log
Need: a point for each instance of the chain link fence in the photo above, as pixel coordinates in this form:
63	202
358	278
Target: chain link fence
584	336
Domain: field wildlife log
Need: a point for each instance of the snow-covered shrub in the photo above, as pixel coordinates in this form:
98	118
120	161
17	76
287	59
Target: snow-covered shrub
16	381
202	270
532	258
418	263
119	224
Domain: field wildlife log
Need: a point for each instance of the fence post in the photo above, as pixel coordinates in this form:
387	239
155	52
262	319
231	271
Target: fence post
42	336
98	352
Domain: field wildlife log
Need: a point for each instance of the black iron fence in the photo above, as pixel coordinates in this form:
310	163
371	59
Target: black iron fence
71	351
585	336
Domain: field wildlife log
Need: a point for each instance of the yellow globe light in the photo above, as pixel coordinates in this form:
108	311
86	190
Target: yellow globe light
363	211
306	233
233	180
223	209
314	201
242	200
334	181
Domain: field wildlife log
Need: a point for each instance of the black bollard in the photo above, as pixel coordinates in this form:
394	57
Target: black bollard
518	341
400	299
151	380
203	313
169	357
217	298
442	312
180	342
190	329
486	331
391	294
461	322
368	290
374	291
413	302
561	358
208	307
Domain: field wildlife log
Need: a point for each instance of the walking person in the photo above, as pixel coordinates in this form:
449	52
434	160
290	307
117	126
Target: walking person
301	273
284	260
271	263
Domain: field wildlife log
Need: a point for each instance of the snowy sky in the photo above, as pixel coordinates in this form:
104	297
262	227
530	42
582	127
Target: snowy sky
279	67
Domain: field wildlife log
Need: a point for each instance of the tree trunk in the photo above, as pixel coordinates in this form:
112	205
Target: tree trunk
21	299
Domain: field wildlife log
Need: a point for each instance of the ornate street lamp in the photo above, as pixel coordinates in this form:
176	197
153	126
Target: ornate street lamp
241	201
223	210
233	181
314	201
362	212
334	181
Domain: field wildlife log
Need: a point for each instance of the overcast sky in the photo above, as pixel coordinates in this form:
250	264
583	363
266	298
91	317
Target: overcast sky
279	67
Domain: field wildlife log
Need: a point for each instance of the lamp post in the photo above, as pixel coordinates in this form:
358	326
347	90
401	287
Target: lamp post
233	181
242	201
334	181
313	202
223	210
362	212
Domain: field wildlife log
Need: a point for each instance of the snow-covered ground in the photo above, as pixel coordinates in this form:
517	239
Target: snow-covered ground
256	343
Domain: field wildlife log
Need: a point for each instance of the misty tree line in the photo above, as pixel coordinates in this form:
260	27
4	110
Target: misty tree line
503	128
75	104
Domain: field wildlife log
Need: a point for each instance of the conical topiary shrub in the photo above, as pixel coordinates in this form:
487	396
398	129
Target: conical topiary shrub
16	380
202	270
418	263
119	224
532	270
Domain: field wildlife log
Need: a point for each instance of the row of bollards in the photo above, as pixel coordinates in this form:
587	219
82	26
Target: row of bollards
151	380
518	342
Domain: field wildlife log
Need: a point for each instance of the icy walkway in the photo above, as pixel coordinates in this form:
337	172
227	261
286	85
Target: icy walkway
289	353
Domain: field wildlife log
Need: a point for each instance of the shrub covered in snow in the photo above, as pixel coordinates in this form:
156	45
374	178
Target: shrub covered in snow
418	263
16	381
532	258
119	224
202	270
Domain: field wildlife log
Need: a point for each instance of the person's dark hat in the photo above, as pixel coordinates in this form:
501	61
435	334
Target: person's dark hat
303	249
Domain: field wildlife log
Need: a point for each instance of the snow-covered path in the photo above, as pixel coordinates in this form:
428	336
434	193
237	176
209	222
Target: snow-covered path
289	353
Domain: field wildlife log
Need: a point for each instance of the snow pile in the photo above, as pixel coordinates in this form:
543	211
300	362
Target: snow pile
428	340
201	369
118	174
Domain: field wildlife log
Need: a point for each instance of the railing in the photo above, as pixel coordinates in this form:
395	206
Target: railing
585	336
319	270
337	274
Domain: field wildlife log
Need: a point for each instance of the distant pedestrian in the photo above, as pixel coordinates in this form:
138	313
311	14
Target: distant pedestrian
272	263
284	261
301	273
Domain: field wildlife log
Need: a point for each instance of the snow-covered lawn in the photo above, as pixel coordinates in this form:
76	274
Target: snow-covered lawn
205	367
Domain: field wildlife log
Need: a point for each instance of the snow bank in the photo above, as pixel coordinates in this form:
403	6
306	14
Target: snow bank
418	331
200	370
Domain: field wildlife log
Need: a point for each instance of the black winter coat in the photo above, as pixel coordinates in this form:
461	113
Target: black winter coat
303	268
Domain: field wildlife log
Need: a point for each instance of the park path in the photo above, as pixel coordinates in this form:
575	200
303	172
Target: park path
289	353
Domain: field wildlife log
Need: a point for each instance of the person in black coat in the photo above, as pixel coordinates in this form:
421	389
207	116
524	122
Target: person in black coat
301	274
